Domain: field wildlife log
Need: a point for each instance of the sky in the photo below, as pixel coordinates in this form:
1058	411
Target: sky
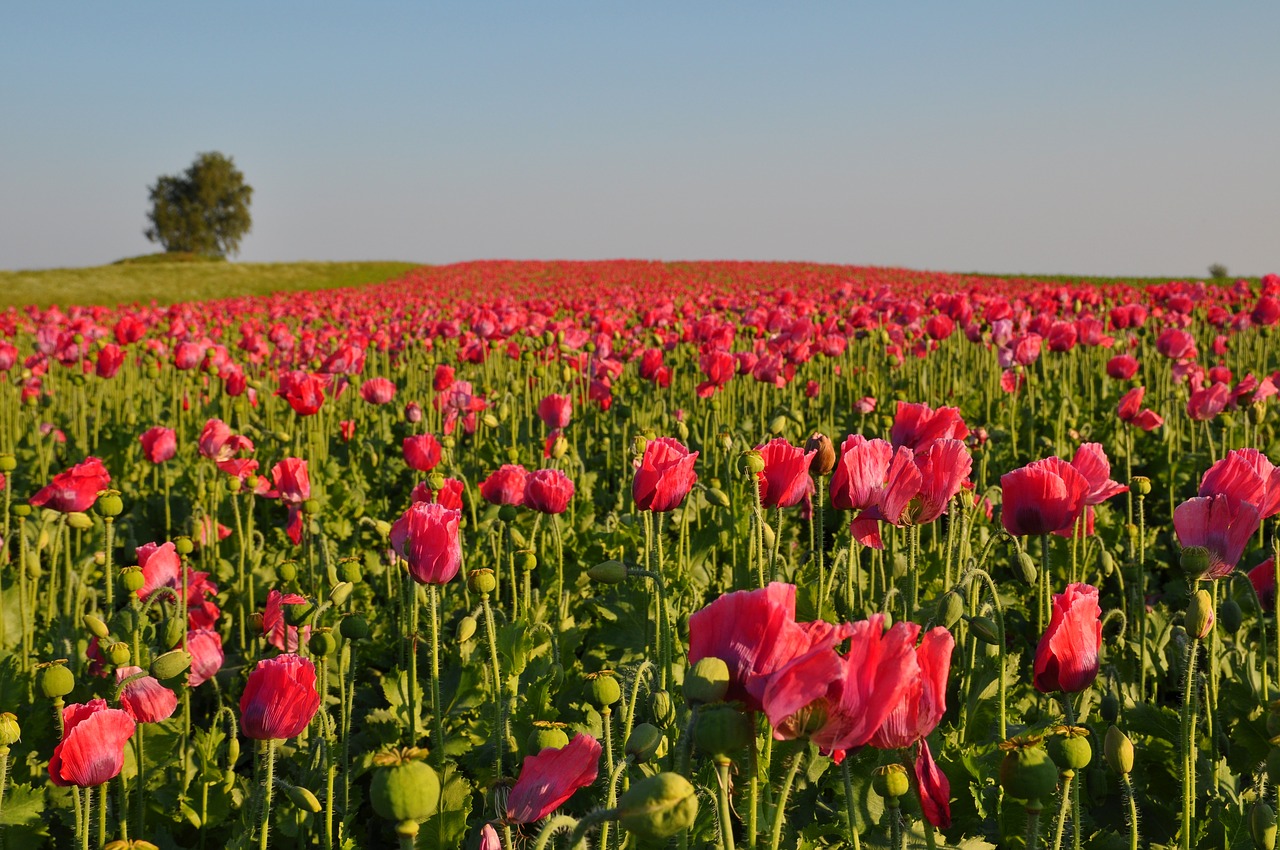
1135	138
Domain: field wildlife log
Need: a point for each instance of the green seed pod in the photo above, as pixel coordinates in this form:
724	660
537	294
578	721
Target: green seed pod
109	504
184	545
645	742
1027	772
132	579
722	730
603	689
707	681
10	731
662	708
546	733
322	643
1230	615
950	609
985	630
311	507
354	627
1262	824
508	513
21	510
482	581
79	521
890	781
382	527
300	614
466	628
527	561
1199	617
658	807
350	571
754	462
1069	748
96	627
404	788
1194	561
288	571
56	680
117	653
1118	750
1027	569
171	664
608	572
8	463
1273	765
1141	485
234	485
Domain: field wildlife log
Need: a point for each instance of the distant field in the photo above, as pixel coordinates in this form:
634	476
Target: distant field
167	283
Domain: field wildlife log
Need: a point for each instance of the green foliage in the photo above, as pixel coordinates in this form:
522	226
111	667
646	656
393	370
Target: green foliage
204	210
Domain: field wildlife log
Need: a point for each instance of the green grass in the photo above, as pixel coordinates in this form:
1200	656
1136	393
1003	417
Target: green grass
171	282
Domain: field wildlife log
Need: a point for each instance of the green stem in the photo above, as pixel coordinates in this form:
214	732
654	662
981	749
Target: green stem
847	775
1133	811
1067	776
1033	828
779	813
437	731
551	827
726	826
1188	744
500	717
269	756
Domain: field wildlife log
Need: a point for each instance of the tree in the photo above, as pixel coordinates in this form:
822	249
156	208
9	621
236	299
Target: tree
204	211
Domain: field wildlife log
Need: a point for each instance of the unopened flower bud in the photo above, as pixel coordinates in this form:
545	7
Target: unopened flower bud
706	681
985	630
1199	617
662	708
754	462
608	572
1118	750
466	629
97	627
340	593
658	807
79	521
645	742
303	799
824	457
171	664
1230	615
950	609
1262	825
717	497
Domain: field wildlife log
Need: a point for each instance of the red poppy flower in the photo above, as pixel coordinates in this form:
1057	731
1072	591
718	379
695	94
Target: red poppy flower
1219	526
784	481
159	444
145	699
74	490
944	466
1206	403
110	359
548	491
218	443
550	777
279	699
91	751
935	789
205	647
1042	497
426	536
378	391
916	425
664	475
1091	461
1245	475
1067	655
555	411
422	452
277	631
160	565
924	699
1263	579
505	485
1122	367
449	495
347	430
1130	410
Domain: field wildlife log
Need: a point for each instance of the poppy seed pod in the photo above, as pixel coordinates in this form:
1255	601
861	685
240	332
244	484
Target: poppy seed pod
322	643
603	689
481	581
722	730
707	681
890	781
404	788
546	733
354	627
662	708
56	680
1027	772
10	731
658	807
1069	748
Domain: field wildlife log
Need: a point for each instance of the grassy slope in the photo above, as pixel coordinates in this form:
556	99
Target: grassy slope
168	283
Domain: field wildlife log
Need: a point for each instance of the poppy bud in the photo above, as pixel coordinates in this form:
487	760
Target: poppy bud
517	538
10	731
354	627
707	681
21	510
766	532
722	730
661	708
1110	708
171	664
56	680
322	643
528	561
950	609
546	733
1195	561
350	571
658	807
645	742
1230	615
96	626
559	447
755	462
890	781
985	630
79	521
1069	748
288	571
404	788
1027	772
1118	750
717	497
1108	563
481	581
340	593
466	629
233	750
608	572
603	689
109	504
303	799
824	458
174	630
1199	617
1262	824
1141	485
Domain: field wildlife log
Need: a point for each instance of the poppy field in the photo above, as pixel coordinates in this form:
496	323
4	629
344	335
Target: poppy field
633	555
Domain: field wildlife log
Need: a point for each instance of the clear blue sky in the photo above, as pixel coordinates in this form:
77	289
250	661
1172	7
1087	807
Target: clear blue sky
1083	137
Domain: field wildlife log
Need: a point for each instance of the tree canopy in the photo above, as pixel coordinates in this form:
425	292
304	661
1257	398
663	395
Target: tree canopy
205	210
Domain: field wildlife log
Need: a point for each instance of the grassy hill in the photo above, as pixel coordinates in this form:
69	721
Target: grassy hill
166	282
